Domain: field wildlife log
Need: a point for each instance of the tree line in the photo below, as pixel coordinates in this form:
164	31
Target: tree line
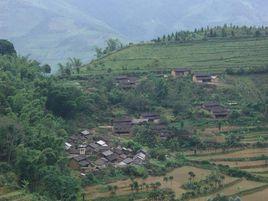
204	33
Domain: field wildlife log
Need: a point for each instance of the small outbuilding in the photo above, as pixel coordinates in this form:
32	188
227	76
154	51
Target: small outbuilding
179	72
203	78
151	117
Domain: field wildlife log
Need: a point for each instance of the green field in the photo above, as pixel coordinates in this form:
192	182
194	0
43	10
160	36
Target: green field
211	56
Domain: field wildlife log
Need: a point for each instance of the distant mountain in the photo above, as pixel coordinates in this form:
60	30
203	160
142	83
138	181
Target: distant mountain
145	19
53	30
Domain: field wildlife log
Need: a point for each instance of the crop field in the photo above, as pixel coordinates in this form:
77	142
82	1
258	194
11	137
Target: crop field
180	176
212	56
244	164
254	137
239	186
258	170
246	153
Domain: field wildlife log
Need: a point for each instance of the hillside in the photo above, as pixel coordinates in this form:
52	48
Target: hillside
212	56
69	137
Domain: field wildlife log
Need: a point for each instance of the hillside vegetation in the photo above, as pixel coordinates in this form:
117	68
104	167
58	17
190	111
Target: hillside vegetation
204	138
213	56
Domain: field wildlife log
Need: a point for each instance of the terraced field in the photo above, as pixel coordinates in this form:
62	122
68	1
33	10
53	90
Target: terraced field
238	187
15	196
254	137
212	56
246	153
245	160
180	176
244	164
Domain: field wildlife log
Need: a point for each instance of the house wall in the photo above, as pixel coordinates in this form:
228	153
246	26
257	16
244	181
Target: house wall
173	73
196	80
156	121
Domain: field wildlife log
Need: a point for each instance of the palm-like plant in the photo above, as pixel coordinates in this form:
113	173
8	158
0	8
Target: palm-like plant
75	63
171	179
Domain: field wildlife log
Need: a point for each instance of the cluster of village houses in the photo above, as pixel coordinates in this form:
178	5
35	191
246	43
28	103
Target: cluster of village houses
87	154
127	82
216	110
82	147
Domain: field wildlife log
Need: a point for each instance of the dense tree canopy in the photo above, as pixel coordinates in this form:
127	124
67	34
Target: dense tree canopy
31	137
6	47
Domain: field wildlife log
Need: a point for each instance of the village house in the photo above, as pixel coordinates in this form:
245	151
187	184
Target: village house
67	146
126	82
151	117
160	73
127	151
220	112
93	147
118	150
122	126
97	147
73	151
161	130
125	162
139	121
125	119
216	110
113	158
107	153
79	162
210	105
102	143
122	154
140	158
101	163
179	72
122	129
82	149
164	135
85	132
203	78
79	138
